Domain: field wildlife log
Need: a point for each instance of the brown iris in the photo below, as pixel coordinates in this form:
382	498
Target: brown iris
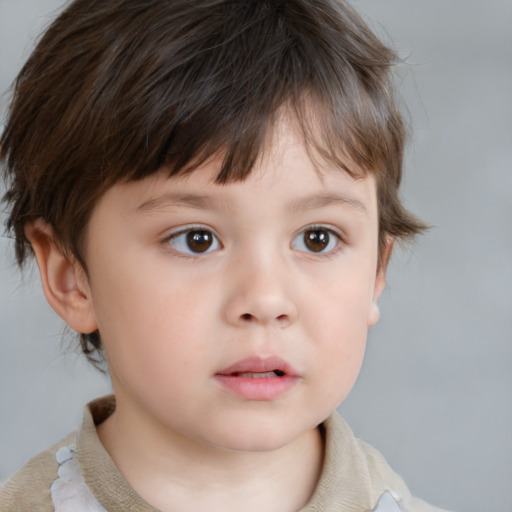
316	240
199	240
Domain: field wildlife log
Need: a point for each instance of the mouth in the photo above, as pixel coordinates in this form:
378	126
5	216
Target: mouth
260	375
259	379
260	367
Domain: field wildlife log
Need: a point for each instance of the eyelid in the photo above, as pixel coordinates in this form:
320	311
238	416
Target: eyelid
181	230
326	227
188	227
332	230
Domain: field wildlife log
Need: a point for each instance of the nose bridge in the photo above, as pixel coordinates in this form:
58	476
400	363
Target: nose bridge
261	291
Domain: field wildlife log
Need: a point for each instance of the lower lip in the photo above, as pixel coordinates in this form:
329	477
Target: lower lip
254	388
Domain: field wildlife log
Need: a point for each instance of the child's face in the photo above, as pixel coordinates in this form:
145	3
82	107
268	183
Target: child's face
196	286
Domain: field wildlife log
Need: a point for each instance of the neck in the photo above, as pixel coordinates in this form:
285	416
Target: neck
173	472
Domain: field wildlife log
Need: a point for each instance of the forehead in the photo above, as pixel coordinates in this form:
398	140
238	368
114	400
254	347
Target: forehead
285	176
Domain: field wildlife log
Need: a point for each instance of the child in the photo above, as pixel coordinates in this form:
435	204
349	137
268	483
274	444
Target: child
210	189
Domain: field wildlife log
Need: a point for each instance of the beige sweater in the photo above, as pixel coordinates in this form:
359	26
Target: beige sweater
353	478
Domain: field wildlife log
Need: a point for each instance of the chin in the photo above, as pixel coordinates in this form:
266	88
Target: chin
260	436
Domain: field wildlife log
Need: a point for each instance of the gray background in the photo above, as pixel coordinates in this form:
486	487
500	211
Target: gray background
435	392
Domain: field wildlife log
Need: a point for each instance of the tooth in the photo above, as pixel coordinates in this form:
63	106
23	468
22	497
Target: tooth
260	375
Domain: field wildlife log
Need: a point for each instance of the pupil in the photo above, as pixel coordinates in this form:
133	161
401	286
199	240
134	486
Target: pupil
316	240
199	241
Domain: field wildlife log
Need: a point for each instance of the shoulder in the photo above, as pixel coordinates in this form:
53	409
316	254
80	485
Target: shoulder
29	488
386	479
368	466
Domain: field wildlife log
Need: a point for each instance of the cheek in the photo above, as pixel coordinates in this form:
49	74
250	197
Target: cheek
340	363
338	325
151	322
341	346
341	305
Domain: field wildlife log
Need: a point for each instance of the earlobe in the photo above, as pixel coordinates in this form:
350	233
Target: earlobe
380	282
64	281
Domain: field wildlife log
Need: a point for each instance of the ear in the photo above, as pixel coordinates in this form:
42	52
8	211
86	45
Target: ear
380	281
64	281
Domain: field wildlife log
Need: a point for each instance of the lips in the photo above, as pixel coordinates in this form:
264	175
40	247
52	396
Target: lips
259	379
258	365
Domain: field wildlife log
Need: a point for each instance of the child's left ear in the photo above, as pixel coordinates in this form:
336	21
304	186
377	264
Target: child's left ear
380	281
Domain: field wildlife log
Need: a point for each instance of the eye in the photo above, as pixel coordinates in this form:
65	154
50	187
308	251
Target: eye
194	241
316	240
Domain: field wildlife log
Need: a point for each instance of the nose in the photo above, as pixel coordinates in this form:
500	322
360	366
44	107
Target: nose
260	296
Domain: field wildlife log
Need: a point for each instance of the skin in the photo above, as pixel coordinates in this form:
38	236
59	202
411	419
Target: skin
170	319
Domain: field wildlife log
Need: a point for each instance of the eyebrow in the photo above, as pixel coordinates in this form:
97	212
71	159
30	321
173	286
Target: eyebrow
202	202
322	200
166	200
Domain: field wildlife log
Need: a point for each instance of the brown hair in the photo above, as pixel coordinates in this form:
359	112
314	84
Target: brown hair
116	89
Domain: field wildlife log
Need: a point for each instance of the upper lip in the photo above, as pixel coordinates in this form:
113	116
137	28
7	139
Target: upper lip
259	365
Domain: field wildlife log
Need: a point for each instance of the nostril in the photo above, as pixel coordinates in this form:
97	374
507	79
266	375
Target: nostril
248	318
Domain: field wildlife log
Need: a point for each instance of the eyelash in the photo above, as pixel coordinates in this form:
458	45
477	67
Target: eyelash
184	250
187	230
333	237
